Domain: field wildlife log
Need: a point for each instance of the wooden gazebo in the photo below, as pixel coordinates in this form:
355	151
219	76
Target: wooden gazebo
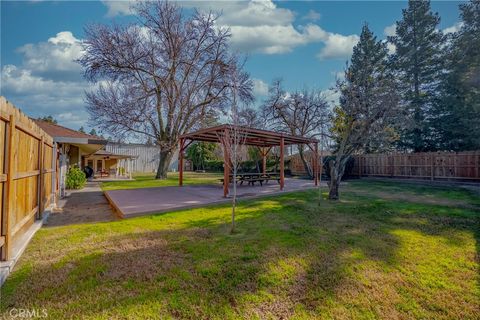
263	139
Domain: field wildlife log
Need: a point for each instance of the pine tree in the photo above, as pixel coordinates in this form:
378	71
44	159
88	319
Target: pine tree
93	132
370	76
81	129
459	104
49	119
367	116
418	66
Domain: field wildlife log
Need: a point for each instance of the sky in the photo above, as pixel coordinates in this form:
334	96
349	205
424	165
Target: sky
305	43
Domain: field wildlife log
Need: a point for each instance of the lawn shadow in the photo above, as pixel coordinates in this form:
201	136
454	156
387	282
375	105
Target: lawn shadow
287	255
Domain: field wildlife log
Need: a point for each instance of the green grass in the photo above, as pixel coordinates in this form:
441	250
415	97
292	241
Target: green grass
364	257
149	181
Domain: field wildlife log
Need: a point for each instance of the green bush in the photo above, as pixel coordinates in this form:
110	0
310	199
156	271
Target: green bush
76	178
214	165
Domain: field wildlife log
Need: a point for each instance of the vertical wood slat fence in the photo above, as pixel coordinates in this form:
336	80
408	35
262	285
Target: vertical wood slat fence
425	165
27	169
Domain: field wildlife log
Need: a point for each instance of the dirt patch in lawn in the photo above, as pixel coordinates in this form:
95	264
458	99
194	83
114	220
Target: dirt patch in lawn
82	206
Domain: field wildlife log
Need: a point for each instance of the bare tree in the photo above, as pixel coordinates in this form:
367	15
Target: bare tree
160	77
232	144
251	117
301	113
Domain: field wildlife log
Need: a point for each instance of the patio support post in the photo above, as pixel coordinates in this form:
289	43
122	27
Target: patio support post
282	163
226	163
264	162
180	162
130	168
315	164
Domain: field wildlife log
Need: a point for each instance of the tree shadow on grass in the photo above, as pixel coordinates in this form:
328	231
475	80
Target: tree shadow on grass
287	257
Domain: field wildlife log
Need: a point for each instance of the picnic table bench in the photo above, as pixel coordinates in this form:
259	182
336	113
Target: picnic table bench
251	178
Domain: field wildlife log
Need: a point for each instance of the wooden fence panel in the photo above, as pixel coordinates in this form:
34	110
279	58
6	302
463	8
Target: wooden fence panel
25	148
425	165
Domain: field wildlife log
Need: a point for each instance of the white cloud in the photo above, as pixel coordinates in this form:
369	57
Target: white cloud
118	8
260	87
390	30
271	31
266	39
54	58
49	81
256	13
391	48
338	46
452	29
312	15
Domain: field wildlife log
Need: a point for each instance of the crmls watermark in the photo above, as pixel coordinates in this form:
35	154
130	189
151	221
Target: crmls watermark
21	313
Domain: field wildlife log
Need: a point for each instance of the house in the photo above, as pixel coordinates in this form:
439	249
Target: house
72	147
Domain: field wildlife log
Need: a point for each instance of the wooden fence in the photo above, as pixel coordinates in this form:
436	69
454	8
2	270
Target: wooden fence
429	165
27	166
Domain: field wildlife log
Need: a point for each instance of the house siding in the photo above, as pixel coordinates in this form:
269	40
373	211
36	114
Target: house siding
146	156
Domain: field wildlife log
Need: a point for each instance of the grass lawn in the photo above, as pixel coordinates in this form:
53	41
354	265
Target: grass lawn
365	257
149	181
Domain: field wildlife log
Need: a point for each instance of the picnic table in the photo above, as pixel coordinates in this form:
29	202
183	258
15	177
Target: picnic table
251	178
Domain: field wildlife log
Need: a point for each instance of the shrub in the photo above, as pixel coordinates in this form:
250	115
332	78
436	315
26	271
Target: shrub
214	165
76	178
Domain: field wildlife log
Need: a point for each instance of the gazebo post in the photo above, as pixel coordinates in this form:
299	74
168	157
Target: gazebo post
226	163
282	163
315	163
180	162
264	161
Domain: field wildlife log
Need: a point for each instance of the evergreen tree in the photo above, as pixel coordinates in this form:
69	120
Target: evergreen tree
93	132
459	104
368	113
418	66
370	77
81	129
49	119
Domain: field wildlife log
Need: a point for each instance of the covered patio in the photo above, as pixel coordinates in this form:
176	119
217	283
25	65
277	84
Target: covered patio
108	166
227	135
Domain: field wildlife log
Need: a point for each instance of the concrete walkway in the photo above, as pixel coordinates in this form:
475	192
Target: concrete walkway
135	202
82	206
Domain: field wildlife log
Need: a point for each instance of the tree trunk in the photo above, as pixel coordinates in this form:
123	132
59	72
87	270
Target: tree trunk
163	164
334	183
308	169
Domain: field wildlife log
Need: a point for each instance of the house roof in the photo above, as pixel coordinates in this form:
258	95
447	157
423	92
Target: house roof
67	135
249	136
56	130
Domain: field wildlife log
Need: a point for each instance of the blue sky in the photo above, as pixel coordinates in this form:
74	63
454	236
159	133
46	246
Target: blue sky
306	43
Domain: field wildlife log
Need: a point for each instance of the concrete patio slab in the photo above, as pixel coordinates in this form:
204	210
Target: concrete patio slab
136	202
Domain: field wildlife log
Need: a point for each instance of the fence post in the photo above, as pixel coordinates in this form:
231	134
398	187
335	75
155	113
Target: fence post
41	155
9	194
432	173
477	164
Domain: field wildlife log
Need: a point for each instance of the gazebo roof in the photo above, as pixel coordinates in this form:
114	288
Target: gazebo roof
249	136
